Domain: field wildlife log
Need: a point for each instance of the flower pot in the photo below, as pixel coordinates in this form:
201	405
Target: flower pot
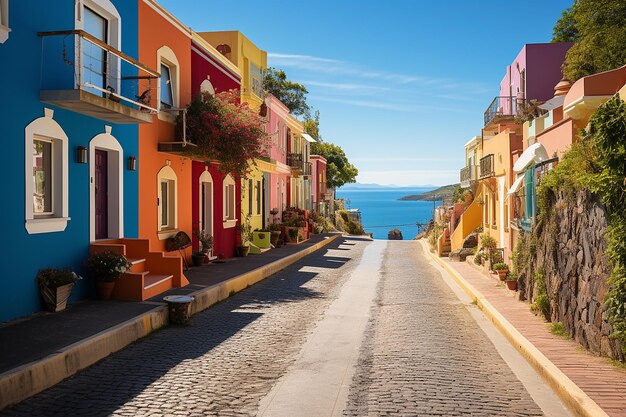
198	260
55	299
512	285
243	250
104	289
502	274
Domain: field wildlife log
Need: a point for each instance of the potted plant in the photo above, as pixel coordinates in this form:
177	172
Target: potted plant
262	238
106	267
56	286
246	237
502	269
274	233
206	246
511	282
293	235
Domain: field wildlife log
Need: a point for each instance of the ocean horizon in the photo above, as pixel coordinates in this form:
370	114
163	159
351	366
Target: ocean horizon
382	210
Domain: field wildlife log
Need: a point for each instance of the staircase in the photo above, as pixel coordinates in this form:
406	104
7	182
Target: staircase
151	273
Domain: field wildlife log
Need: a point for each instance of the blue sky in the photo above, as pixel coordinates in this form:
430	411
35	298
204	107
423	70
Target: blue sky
401	85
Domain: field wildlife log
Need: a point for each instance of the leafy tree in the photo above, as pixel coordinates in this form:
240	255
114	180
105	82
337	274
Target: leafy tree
339	170
565	29
599	29
291	94
312	124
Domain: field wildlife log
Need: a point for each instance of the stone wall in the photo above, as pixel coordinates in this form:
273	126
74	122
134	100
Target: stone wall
570	247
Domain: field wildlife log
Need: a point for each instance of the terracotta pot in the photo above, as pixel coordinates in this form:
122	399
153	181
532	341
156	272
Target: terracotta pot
104	289
243	250
512	285
502	274
198	260
55	299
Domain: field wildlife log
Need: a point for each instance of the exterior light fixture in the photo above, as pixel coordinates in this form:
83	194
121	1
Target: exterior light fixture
81	155
132	163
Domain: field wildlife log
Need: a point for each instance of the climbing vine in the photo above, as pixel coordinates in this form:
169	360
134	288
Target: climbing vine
597	163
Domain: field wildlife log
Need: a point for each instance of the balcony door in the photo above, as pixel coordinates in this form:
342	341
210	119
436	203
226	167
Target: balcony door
94	58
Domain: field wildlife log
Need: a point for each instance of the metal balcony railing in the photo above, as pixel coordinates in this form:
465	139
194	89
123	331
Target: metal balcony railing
294	160
467	175
504	107
119	88
307	168
486	167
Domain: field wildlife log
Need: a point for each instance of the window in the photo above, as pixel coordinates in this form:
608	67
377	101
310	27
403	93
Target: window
250	196
42	177
167	202
258	197
46	181
168	87
167	98
229	202
4	20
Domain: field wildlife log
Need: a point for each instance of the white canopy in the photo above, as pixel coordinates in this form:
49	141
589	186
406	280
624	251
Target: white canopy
516	185
308	137
534	153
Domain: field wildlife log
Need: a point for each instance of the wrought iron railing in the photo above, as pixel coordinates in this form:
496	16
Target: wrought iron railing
294	160
487	166
504	106
74	59
467	175
307	168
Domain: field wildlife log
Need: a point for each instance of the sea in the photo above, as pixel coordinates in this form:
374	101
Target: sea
382	210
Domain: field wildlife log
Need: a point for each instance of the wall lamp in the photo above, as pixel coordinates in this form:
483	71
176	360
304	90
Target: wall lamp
81	155
132	163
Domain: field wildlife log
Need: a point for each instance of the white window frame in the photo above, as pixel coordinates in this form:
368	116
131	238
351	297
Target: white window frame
45	128
167	57
4	20
167	174
108	11
229	202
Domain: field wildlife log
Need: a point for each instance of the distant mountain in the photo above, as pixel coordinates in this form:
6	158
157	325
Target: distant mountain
446	192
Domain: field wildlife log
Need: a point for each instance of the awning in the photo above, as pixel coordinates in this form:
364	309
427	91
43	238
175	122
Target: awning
553	103
516	185
308	137
534	153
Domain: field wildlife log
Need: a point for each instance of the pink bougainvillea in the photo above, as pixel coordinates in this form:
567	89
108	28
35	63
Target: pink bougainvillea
225	130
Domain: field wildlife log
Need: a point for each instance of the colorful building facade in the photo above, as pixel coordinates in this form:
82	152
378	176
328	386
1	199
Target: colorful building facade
319	202
72	139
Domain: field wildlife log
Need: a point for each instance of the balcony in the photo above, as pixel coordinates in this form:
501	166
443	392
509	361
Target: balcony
294	160
83	74
468	175
504	108
486	167
307	168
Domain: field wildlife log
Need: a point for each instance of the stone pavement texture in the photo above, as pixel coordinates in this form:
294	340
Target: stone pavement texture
425	355
46	333
597	377
223	363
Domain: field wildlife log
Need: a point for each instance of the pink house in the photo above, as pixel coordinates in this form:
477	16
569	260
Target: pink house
277	128
318	185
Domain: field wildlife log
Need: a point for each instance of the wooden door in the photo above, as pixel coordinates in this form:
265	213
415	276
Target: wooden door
102	199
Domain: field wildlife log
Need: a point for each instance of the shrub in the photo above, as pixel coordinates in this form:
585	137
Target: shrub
54	278
500	266
107	266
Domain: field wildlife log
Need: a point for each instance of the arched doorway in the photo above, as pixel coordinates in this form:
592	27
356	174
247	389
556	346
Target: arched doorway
205	202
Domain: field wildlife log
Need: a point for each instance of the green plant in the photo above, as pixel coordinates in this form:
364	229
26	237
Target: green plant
542	302
500	266
275	227
245	229
205	239
293	234
486	241
478	259
558	329
53	278
107	266
512	277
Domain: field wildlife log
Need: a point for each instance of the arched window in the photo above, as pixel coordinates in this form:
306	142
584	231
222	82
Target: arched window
229	218
46	175
169	84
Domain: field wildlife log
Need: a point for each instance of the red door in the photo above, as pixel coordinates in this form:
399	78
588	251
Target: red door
102	200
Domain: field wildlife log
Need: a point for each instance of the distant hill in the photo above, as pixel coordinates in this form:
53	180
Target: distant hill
446	192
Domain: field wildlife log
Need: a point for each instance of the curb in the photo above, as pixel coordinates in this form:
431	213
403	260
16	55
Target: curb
31	378
574	397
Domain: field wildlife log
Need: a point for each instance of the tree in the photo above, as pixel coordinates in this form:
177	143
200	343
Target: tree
291	94
312	125
339	170
565	29
599	29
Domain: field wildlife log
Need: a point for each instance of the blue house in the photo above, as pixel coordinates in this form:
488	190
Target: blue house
73	96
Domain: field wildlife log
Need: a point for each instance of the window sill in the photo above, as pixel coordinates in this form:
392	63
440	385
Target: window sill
166	233
46	225
229	224
167	117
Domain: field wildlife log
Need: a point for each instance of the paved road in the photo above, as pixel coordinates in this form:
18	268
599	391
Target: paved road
419	351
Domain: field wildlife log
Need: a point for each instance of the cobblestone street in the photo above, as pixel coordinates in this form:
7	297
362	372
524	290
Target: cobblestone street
422	353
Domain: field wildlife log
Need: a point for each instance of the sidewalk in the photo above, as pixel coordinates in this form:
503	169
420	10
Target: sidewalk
43	349
588	384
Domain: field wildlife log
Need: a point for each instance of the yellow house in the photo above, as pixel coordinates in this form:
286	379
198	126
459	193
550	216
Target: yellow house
298	152
252	62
